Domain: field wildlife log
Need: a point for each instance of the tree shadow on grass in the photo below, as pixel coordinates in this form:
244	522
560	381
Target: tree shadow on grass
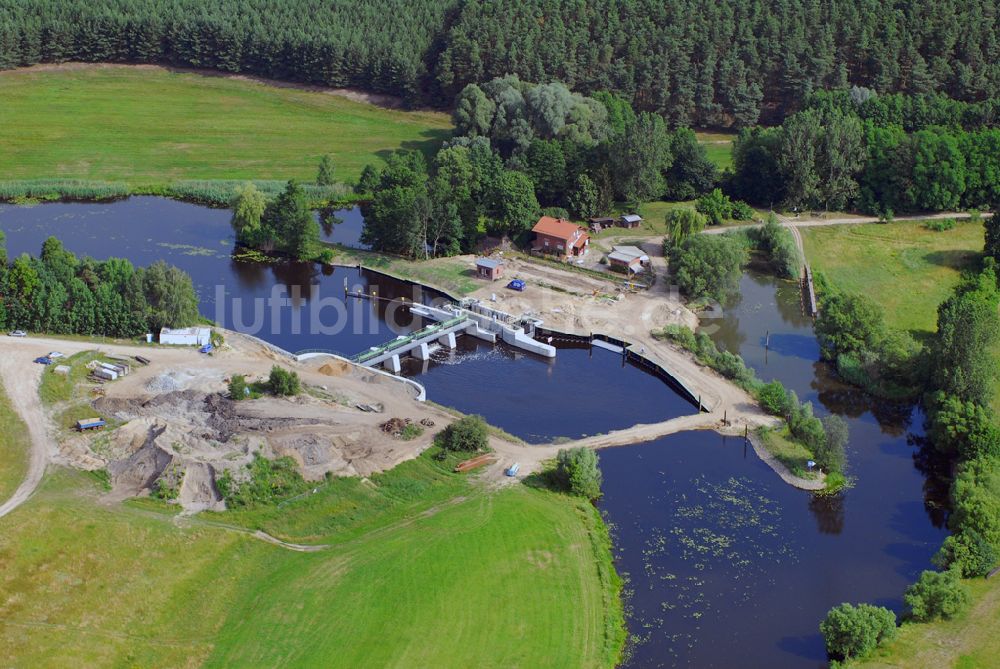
429	145
958	259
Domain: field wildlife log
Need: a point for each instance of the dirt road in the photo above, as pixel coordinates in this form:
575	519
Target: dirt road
330	434
20	379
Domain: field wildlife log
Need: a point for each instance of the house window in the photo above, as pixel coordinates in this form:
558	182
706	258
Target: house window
546	242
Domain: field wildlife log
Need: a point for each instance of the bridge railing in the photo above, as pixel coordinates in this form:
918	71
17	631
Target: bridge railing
390	346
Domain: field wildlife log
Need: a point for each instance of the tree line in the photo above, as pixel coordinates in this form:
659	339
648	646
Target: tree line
523	149
956	374
59	293
732	62
828	158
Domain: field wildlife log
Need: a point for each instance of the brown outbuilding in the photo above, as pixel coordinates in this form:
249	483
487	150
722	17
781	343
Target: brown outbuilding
490	269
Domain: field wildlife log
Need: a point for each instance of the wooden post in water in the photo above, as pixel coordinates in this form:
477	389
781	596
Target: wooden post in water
624	355
699	403
767	340
746	432
725	417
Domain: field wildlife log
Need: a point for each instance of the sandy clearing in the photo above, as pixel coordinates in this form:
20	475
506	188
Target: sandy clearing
305	427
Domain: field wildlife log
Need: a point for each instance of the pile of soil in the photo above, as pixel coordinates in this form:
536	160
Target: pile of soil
334	368
395	425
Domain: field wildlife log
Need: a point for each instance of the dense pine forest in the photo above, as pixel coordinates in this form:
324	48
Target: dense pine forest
724	63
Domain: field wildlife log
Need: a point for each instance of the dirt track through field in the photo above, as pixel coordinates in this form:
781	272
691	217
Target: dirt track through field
20	379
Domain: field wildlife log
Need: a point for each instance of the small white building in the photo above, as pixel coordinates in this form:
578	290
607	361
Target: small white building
186	336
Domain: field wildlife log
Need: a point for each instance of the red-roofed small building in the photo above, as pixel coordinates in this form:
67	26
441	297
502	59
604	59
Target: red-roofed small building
560	237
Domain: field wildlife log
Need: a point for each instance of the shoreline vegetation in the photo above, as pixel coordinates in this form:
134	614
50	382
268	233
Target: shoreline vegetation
803	437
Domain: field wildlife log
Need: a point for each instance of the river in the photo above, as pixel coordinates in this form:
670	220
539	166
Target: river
533	398
726	565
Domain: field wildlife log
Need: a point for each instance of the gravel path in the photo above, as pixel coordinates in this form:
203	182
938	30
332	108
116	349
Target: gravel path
20	379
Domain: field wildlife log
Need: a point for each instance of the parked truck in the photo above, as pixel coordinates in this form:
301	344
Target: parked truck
90	424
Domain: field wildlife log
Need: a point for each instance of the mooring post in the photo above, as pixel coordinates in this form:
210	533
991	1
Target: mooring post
767	339
345	287
624	355
725	417
746	432
699	403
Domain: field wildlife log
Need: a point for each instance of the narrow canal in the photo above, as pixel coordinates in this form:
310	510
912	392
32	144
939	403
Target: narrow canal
726	565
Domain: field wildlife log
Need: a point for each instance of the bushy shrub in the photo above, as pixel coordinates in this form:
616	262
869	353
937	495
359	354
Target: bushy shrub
773	397
830	453
679	334
283	382
940	224
853	632
938	594
268	481
777	243
962	428
718	208
577	471
975	494
967	552
469	433
732	367
238	389
709	266
741	211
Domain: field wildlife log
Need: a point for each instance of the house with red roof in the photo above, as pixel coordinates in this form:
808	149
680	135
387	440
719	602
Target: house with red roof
560	237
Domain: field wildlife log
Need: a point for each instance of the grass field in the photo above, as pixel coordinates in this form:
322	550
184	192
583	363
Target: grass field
968	642
789	453
147	126
903	266
14	448
719	146
425	570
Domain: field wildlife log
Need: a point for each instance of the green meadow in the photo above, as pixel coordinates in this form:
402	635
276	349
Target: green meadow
151	126
424	568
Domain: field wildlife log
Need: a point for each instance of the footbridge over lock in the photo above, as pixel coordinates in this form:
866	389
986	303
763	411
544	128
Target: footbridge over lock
470	318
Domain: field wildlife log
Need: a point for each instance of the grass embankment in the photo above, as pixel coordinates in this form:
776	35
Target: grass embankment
14	448
146	126
425	569
454	275
905	267
969	641
792	454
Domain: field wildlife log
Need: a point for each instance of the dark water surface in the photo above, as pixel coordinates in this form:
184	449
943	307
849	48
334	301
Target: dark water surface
729	566
577	393
534	398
